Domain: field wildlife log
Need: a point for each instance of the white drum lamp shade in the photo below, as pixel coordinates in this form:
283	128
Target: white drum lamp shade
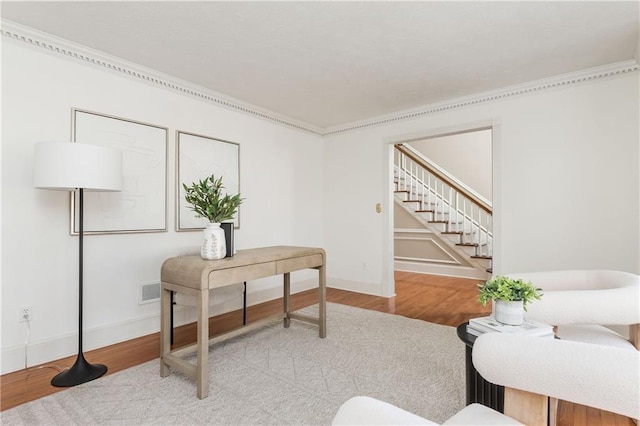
67	166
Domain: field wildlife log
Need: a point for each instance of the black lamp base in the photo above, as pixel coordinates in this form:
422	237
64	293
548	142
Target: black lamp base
80	372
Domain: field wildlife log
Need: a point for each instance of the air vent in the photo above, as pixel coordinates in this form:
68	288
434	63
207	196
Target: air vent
149	292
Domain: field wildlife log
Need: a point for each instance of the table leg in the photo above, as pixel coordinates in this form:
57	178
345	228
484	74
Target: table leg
173	302
244	304
553	411
165	329
286	298
322	285
470	374
202	363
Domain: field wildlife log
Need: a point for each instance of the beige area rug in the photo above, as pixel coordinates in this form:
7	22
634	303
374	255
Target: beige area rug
278	376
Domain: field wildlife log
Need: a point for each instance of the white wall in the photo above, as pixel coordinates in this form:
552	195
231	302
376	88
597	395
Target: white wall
281	179
566	182
467	156
576	146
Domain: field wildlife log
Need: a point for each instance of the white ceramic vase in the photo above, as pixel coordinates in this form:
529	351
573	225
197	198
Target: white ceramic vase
510	313
213	242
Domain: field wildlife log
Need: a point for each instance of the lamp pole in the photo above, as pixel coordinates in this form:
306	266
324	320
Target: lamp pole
81	371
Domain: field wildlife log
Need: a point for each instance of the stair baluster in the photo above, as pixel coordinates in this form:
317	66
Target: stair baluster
445	201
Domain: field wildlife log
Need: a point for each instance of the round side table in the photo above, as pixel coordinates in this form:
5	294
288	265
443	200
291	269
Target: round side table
478	389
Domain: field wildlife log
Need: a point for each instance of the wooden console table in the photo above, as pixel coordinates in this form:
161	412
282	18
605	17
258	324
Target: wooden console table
195	276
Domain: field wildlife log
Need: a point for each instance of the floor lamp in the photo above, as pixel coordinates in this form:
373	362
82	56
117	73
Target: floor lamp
67	166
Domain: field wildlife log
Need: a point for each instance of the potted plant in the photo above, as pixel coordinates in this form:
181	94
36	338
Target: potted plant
511	297
207	200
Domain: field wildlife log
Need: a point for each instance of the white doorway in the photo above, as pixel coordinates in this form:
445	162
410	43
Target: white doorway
467	154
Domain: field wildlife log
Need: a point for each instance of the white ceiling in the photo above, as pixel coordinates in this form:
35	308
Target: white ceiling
330	63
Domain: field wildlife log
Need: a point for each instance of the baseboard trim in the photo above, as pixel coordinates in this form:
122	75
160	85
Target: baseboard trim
355	286
444	270
48	350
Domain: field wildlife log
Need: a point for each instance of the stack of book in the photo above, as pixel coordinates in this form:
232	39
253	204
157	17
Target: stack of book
478	326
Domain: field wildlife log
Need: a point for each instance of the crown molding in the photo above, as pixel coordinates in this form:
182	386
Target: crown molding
77	52
96	58
568	79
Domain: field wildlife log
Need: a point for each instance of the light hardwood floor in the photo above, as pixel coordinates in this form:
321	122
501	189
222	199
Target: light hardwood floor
442	300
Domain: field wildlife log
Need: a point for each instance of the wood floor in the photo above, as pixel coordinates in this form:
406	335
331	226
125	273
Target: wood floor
442	300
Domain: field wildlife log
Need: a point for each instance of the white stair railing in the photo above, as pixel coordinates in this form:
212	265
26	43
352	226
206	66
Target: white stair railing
444	199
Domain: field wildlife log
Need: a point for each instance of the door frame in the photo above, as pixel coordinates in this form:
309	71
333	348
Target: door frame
494	124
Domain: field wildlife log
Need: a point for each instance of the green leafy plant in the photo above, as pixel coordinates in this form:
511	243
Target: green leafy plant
508	289
207	200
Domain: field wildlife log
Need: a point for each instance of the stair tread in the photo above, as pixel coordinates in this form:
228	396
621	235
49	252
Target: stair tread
467	244
424	211
452	232
482	257
401	190
411	201
438	221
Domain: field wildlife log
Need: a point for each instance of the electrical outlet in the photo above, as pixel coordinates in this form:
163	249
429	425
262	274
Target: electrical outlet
24	313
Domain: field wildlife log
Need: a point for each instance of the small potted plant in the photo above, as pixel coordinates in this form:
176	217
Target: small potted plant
208	200
511	297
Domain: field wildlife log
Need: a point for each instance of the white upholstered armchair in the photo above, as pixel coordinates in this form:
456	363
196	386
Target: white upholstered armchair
589	365
532	370
536	371
581	302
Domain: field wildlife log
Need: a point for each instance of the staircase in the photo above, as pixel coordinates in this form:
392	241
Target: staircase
445	206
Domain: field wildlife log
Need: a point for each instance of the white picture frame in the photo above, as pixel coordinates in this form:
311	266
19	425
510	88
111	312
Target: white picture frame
197	158
142	204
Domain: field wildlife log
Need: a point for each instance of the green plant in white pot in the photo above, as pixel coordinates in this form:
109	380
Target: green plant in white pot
510	296
208	200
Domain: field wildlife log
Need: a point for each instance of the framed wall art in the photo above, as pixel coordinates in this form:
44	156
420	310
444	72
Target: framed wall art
199	157
142	204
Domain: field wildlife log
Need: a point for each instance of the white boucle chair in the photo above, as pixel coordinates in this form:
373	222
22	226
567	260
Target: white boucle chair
581	302
363	410
535	372
531	369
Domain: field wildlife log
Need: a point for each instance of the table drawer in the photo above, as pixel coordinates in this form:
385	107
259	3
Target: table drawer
228	276
297	263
